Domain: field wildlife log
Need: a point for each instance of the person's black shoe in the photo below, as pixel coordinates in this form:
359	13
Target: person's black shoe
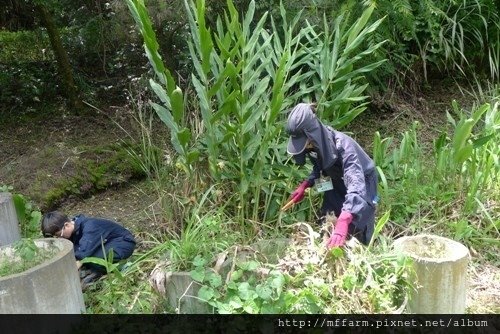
88	280
83	273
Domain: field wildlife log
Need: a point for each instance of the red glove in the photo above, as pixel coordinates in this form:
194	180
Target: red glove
339	231
298	194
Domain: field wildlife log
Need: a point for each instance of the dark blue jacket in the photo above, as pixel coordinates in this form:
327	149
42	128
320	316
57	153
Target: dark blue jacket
90	233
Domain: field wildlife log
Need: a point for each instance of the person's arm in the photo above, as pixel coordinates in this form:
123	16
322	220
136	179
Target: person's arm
354	202
354	180
91	240
316	172
299	193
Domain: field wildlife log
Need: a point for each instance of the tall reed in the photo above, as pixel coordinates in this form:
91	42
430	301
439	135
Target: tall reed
245	76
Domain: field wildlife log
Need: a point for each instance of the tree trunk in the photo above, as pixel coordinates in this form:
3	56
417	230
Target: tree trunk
68	84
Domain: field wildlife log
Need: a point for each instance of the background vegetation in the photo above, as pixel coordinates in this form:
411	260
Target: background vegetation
217	81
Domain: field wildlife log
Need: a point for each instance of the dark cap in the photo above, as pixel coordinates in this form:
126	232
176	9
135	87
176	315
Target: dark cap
301	120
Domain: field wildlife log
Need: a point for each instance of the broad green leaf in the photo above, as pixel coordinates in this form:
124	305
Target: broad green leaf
198	274
440	142
166	117
184	136
224	308
246	292
277	282
251	307
270	308
214	279
251	148
202	98
235	302
478	113
482	141
248	18
229	71
236	275
350	47
255	35
206	293
95	260
248	265
379	226
463	154
199	261
360	24
256	57
462	134
232	286
196	63
192	156
336	252
36	216
451	120
20	205
160	92
255	115
264	291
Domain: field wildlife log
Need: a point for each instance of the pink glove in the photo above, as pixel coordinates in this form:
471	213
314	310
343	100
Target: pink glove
298	194
339	231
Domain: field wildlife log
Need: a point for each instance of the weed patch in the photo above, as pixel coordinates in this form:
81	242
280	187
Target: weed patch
23	255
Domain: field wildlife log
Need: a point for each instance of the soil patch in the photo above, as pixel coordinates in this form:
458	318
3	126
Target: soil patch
132	204
68	156
483	295
391	115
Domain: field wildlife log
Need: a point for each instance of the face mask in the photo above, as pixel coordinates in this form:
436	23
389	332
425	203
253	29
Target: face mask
300	159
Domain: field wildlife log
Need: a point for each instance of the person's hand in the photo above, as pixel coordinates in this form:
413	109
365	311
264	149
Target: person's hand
78	264
298	194
339	231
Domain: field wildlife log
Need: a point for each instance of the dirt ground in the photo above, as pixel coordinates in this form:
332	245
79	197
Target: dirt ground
38	156
35	151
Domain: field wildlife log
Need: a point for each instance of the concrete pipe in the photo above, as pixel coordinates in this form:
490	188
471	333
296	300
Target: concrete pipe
440	266
9	227
182	291
50	287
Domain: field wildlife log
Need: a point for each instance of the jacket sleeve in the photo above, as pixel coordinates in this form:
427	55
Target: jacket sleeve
92	238
316	172
354	180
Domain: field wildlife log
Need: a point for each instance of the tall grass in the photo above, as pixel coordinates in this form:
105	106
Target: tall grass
245	77
338	84
452	190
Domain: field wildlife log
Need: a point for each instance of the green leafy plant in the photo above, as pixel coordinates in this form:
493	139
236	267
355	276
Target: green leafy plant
470	157
26	254
28	215
243	292
123	290
334	53
455	185
244	77
438	35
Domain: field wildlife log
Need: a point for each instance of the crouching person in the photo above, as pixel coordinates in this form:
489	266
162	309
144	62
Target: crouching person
91	237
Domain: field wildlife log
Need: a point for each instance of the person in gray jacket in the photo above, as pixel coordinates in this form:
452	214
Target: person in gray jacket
341	170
